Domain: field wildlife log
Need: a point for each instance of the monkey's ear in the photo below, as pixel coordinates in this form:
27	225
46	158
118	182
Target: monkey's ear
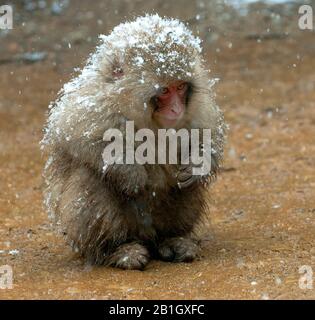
117	70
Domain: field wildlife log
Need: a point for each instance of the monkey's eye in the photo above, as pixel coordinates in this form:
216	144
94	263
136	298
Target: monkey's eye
164	90
182	86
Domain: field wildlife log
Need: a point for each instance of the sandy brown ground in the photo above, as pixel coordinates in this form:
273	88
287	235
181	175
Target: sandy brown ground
262	208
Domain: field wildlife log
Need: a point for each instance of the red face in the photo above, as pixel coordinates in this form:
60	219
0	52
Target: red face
170	104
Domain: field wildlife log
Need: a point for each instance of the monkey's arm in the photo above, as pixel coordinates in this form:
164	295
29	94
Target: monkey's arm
127	179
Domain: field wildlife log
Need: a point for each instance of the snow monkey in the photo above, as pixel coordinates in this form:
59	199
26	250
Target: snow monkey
149	71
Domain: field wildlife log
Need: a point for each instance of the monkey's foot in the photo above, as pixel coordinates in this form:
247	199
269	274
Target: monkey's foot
132	256
178	249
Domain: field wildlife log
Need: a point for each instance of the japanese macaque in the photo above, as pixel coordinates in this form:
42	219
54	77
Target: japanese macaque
149	71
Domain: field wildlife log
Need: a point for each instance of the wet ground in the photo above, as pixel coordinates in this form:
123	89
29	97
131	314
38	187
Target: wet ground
261	227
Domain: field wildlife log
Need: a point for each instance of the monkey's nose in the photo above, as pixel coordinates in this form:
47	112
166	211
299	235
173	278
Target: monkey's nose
176	108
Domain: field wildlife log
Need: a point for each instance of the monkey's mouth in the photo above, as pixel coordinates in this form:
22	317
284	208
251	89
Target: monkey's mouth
168	120
169	116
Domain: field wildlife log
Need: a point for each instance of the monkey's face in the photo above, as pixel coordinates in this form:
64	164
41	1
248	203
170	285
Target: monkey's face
169	105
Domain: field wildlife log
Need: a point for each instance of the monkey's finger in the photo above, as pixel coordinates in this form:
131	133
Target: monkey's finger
185	180
186	184
184	176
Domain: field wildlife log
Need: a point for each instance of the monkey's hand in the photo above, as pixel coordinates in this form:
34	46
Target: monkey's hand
185	178
185	175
